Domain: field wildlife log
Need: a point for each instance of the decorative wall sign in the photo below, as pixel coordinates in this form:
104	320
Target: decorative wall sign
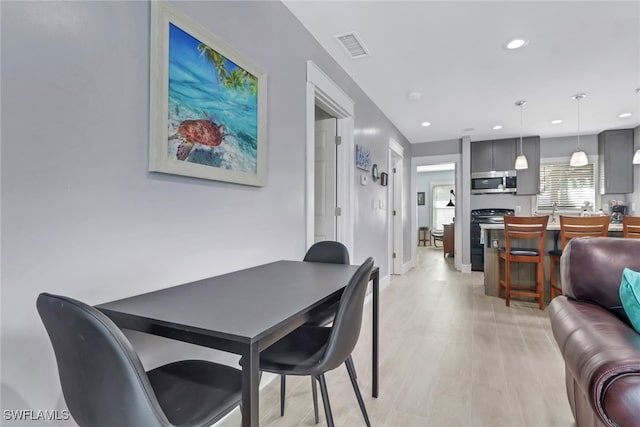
208	104
421	198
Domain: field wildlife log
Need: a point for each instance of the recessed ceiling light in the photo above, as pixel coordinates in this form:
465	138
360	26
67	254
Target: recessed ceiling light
414	96
468	129
556	122
425	124
497	127
516	44
624	115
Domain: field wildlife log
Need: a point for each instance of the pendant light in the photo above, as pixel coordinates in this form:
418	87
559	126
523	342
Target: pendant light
579	157
521	160
636	156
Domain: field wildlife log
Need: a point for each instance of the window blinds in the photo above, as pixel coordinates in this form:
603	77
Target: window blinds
569	187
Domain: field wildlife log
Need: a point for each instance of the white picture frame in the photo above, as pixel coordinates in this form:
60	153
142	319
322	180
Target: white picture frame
193	131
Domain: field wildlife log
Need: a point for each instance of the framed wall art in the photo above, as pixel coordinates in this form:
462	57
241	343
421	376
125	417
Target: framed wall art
363	158
208	104
420	198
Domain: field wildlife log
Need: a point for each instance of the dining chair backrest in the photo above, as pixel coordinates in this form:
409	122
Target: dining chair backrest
525	228
328	251
588	226
346	326
631	226
102	378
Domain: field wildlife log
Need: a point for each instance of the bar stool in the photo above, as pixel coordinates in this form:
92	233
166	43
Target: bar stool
570	228
520	228
423	236
631	227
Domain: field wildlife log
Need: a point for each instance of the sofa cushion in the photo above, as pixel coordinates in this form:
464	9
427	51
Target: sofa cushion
630	296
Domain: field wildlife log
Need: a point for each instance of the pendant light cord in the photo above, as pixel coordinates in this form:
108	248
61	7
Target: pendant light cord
521	105
578	97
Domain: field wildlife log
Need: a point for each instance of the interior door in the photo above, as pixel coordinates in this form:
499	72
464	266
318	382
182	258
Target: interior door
396	187
325	176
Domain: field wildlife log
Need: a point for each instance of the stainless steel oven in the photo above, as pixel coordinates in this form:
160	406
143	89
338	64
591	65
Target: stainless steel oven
494	182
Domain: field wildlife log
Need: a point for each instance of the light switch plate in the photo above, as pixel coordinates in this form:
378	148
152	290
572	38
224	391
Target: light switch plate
364	179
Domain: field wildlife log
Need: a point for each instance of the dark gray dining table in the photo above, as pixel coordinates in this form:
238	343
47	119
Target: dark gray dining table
242	312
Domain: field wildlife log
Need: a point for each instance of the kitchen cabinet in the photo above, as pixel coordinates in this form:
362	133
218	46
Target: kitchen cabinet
615	151
529	179
493	155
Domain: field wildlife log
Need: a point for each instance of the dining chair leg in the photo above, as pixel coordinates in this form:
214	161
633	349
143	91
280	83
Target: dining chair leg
314	389
325	400
283	386
356	389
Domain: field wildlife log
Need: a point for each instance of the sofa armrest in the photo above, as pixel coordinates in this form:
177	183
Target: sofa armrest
621	400
603	355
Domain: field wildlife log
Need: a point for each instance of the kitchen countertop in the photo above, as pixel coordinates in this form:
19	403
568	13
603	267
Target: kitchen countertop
552	226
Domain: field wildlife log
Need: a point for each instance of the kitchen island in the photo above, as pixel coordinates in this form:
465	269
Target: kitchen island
492	238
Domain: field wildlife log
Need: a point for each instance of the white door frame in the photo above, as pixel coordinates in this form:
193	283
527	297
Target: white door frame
395	235
435	160
321	90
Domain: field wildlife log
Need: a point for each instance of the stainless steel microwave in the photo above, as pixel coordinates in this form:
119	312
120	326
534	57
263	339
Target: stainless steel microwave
495	182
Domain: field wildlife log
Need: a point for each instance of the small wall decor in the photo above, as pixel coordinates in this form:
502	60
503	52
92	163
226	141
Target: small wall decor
363	158
208	104
384	178
421	198
374	173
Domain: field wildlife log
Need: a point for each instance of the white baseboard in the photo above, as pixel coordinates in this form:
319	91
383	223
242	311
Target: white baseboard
408	265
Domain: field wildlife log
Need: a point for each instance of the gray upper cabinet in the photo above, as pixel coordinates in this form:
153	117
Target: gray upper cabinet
615	151
481	156
529	179
496	155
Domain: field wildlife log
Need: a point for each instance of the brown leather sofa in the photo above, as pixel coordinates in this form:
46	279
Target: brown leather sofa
601	349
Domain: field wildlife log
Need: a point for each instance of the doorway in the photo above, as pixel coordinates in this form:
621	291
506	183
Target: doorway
325	182
435	163
324	93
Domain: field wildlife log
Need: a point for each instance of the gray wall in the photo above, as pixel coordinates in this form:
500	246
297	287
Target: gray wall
424	181
437	148
81	215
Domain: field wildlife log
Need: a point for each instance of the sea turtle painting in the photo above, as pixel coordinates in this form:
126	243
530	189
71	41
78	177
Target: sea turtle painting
202	131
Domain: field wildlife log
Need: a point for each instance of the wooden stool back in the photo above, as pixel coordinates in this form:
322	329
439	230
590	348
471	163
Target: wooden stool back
523	228
631	226
570	228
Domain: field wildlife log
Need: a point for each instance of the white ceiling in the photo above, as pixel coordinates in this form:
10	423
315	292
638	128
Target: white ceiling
452	53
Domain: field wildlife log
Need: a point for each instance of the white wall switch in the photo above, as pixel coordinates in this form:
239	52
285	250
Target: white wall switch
363	179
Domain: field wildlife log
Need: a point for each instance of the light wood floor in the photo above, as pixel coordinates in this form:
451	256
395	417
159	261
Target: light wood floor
449	356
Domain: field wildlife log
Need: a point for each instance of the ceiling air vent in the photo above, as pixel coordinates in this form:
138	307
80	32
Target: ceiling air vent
352	44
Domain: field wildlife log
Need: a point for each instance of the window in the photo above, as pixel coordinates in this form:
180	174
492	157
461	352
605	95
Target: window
442	214
569	187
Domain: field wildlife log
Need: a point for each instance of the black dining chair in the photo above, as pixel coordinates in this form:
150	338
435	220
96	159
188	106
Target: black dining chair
331	252
104	383
313	350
